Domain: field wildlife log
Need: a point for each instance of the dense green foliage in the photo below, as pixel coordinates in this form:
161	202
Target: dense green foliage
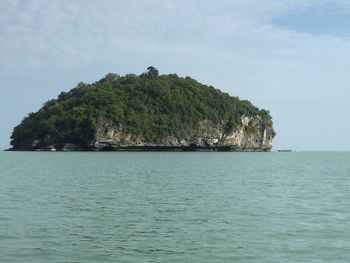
152	105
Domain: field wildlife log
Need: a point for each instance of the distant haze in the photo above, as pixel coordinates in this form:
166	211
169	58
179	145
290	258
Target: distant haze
288	56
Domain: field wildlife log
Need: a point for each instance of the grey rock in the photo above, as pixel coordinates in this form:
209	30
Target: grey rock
252	135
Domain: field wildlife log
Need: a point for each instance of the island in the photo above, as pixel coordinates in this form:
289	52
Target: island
145	112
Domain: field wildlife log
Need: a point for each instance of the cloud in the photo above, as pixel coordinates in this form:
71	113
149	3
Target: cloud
49	46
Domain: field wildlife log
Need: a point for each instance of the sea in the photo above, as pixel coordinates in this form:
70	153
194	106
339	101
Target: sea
174	207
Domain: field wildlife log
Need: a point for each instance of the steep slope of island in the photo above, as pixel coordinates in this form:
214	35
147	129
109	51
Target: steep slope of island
145	112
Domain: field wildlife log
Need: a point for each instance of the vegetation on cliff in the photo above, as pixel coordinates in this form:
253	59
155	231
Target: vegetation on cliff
149	104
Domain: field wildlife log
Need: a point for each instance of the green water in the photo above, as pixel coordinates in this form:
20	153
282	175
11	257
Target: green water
174	207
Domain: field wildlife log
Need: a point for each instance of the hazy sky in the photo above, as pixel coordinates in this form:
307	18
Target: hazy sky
289	56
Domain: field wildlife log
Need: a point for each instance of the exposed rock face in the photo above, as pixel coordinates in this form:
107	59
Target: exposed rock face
252	135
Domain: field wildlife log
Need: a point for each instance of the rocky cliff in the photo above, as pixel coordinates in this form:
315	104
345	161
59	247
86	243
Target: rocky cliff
251	136
145	112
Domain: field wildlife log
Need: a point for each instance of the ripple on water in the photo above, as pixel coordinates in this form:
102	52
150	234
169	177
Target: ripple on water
174	207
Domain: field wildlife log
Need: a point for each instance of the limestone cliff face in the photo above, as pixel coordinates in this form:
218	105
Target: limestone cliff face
252	135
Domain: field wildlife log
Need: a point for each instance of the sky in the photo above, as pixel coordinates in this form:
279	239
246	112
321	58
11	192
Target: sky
288	56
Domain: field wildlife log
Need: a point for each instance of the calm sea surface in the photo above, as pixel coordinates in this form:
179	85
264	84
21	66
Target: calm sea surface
174	207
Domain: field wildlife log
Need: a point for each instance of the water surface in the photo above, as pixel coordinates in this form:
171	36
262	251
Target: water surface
174	207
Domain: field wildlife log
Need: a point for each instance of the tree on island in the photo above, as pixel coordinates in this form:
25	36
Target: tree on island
152	72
